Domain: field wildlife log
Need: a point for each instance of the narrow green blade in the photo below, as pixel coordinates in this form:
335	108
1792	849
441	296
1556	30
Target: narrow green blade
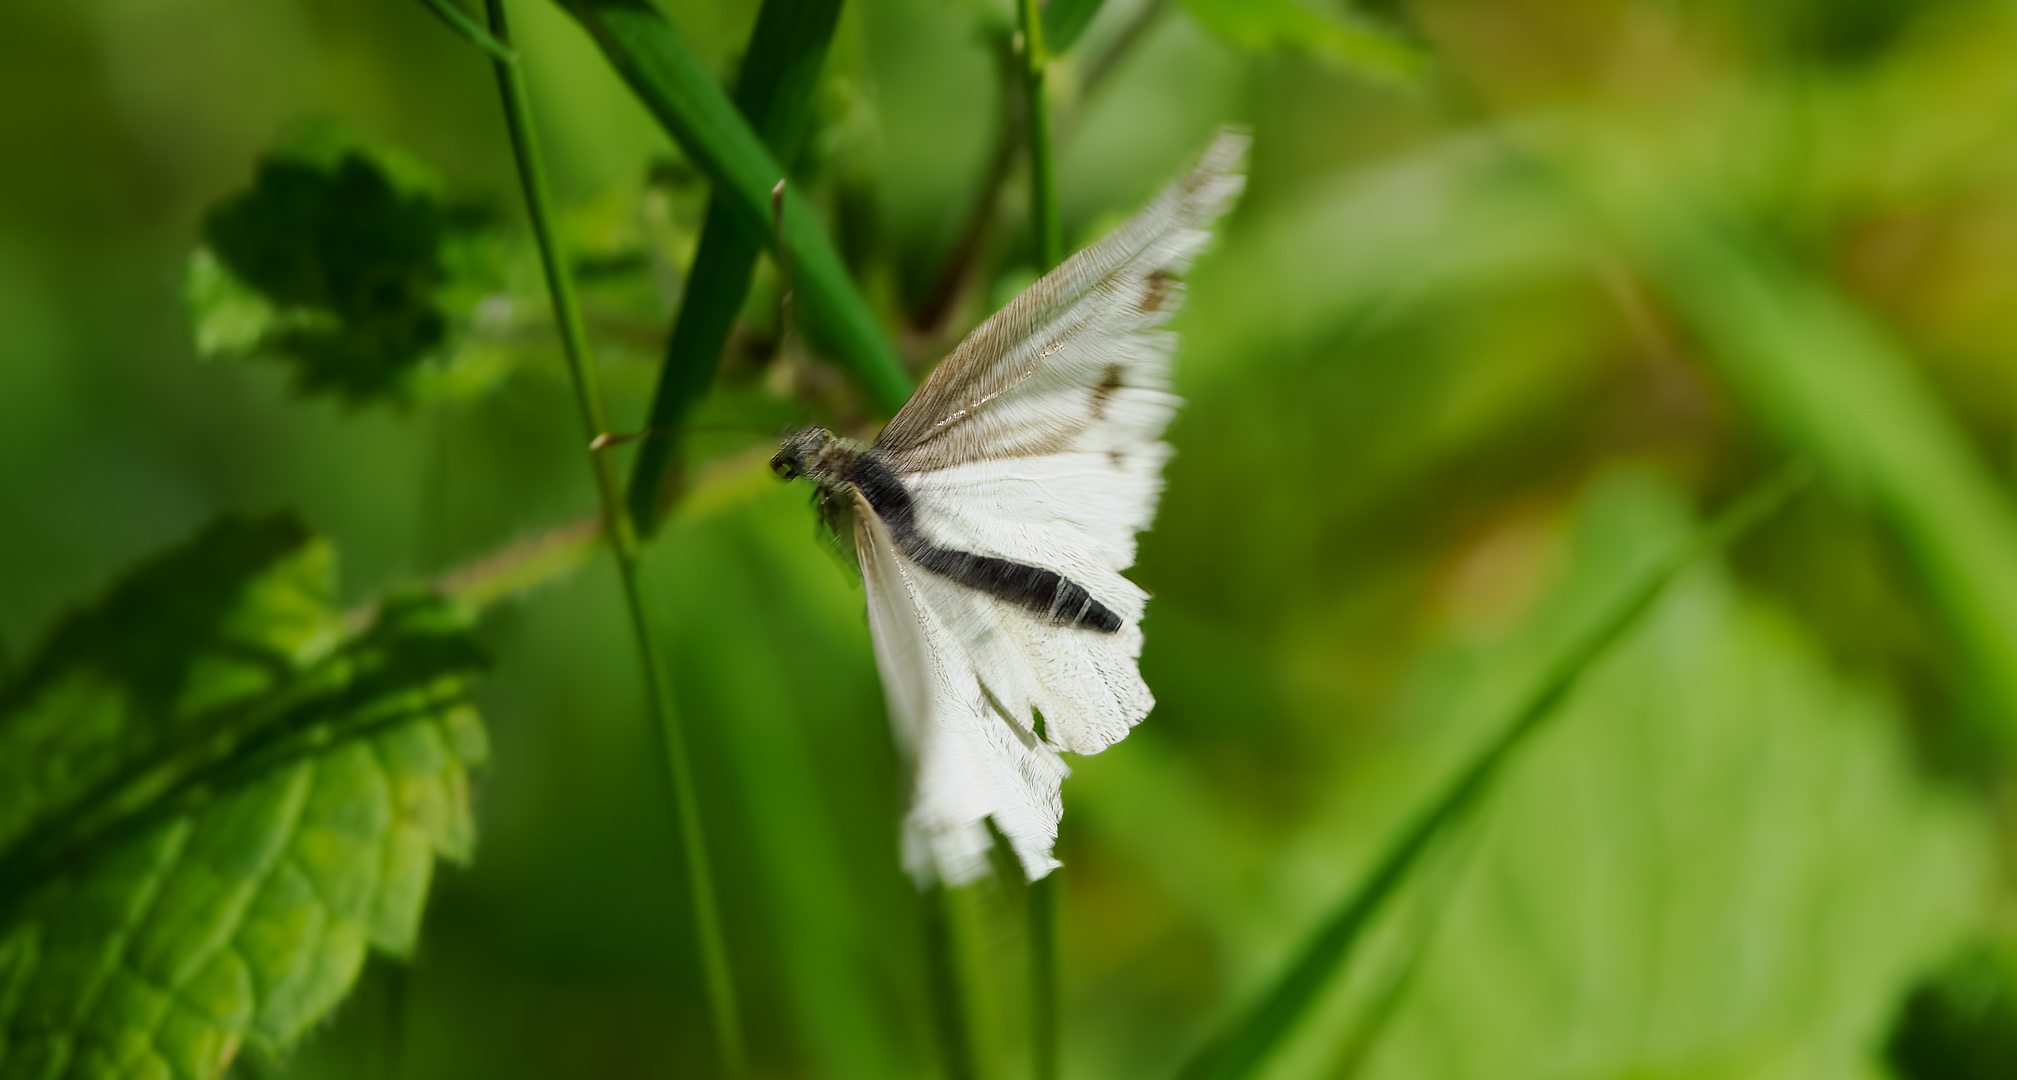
785	53
681	93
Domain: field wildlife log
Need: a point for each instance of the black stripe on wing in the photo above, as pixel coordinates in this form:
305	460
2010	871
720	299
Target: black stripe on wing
1044	593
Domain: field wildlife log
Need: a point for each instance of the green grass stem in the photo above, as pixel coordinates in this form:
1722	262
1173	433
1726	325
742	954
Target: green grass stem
622	538
1036	118
1049	243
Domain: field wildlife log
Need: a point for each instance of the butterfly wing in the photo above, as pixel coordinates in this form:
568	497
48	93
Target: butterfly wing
1037	441
1078	362
946	678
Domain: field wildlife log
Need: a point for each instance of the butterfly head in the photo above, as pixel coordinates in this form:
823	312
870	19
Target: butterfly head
817	455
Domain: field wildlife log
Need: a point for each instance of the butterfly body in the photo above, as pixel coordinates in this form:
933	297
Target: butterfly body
993	517
843	468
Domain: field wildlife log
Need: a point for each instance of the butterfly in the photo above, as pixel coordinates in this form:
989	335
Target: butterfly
992	517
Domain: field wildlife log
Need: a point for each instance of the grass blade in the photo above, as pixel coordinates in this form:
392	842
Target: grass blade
622	536
1813	368
786	51
648	53
1255	1035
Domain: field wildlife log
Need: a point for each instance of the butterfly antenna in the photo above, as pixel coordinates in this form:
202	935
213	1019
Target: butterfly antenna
613	438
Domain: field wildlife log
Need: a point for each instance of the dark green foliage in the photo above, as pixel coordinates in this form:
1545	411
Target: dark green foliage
350	260
1960	1024
215	801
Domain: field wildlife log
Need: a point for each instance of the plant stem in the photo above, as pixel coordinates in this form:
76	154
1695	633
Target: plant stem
622	538
1049	236
1043	902
1255	1035
1036	116
949	999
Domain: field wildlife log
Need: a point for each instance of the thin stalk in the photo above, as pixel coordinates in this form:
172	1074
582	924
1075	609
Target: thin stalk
1043	902
949	998
1049	235
1036	118
622	538
1255	1035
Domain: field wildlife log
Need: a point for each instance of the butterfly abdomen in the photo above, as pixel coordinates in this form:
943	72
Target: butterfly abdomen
1044	593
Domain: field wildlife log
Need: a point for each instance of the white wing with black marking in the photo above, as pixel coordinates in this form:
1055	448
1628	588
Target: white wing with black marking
998	510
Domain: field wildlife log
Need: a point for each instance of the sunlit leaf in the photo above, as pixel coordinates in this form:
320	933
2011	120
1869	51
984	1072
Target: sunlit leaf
219	804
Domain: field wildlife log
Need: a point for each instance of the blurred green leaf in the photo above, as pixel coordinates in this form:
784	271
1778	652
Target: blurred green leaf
774	93
217	803
1959	1024
1254	1037
1814	370
1286	24
685	98
334	268
1719	863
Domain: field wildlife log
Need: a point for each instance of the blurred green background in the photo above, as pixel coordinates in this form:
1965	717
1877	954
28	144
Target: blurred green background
1471	344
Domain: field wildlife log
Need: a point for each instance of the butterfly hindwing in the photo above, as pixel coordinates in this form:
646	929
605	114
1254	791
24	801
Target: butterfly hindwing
953	682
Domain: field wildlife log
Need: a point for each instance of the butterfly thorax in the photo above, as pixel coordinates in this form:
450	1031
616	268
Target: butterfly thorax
818	455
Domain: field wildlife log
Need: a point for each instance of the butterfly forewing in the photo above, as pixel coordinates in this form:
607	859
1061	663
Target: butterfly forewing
1019	475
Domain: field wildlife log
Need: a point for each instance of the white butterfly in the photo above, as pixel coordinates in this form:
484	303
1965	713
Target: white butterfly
993	517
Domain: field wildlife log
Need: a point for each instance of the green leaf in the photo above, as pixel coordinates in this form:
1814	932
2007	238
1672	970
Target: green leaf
786	51
1256	1035
1719	862
216	804
347	264
1065	20
164	660
1960	1024
684	97
1286	24
1815	371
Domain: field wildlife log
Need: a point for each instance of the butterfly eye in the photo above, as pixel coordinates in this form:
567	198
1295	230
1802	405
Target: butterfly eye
783	465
